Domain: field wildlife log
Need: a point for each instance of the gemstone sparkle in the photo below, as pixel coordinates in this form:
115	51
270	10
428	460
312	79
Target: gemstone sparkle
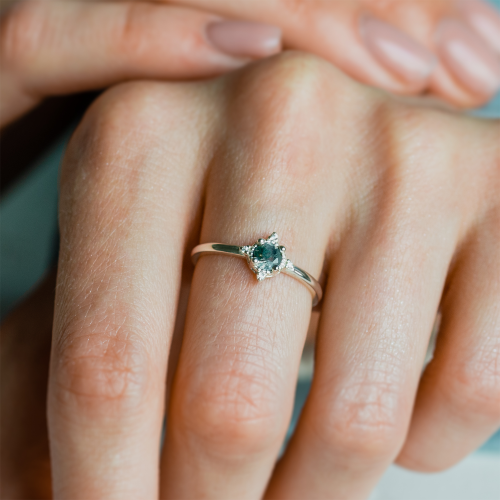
268	257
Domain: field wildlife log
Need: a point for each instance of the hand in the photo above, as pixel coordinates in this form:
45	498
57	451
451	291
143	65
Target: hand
58	47
448	48
395	207
51	47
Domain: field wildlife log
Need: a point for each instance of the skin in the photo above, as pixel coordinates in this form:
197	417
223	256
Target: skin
61	47
394	207
51	47
329	28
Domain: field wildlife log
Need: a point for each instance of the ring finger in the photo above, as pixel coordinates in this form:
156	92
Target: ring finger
234	386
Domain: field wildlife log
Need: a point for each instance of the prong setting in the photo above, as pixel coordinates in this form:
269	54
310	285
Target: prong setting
244	250
273	239
266	258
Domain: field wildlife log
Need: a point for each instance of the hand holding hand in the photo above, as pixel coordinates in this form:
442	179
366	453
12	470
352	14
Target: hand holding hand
395	206
51	47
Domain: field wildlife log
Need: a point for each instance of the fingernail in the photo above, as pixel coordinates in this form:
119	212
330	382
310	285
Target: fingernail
484	19
468	58
396	51
244	38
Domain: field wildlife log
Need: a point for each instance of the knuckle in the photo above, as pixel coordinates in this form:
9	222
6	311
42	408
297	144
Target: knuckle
22	30
133	115
268	101
233	411
111	173
474	386
128	106
297	71
362	423
102	374
292	83
116	130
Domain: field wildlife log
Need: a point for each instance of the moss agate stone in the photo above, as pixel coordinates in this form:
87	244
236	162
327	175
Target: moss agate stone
269	257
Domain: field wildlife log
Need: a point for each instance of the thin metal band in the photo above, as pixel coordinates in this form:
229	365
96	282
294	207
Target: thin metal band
295	272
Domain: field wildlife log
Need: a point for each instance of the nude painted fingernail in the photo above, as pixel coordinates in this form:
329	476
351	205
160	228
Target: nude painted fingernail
484	19
395	50
244	38
468	57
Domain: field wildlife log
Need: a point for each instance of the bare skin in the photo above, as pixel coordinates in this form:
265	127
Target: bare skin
54	47
173	38
395	207
50	47
331	29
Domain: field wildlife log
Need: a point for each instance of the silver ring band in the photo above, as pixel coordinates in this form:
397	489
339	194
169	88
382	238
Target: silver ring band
266	259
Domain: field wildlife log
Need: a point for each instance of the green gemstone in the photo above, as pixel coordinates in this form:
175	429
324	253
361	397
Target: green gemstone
269	257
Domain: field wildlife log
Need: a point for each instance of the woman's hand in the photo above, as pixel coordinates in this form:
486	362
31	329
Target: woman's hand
51	47
394	207
448	48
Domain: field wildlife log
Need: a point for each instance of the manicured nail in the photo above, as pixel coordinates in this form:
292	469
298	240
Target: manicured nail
468	57
395	50
484	19
244	38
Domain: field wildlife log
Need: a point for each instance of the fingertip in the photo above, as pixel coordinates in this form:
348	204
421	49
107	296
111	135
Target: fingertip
244	38
483	19
396	51
468	58
445	87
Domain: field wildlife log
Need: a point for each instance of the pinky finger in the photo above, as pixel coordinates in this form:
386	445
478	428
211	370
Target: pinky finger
458	403
60	47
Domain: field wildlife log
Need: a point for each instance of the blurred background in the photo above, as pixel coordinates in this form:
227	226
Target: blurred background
28	248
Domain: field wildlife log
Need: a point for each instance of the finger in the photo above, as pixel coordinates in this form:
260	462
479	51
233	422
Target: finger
469	69
392	45
234	386
383	293
458	403
126	211
26	334
60	47
328	29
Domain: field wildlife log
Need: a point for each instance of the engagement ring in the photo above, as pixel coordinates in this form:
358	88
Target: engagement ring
266	259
